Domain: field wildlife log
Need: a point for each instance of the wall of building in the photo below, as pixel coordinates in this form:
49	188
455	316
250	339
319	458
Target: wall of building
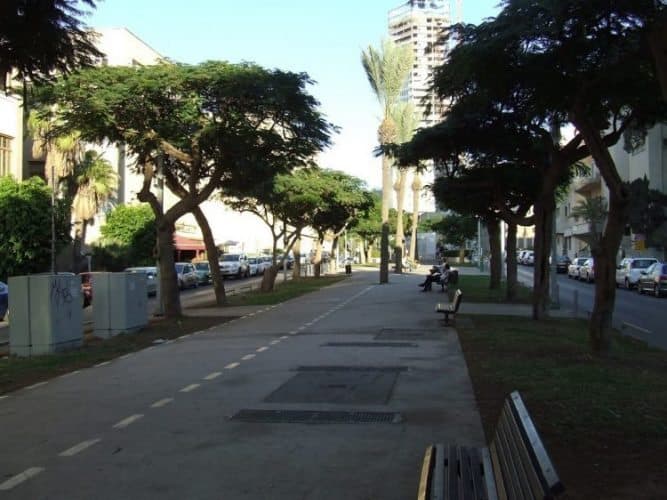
11	126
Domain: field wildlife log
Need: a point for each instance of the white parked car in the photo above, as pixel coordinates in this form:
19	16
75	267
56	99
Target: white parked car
151	277
234	265
587	271
573	269
253	266
629	270
265	262
186	275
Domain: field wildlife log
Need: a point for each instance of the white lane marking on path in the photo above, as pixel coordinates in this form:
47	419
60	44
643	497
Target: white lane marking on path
248	356
4	397
65	375
35	386
182	337
213	375
127	421
231	366
274	342
189	388
162	402
284	337
301	328
124	357
78	448
262	349
19	478
101	364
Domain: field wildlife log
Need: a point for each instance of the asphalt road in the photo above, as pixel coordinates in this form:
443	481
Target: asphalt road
641	316
333	395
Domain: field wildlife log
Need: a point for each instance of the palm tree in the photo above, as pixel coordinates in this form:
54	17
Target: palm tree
406	124
594	211
387	70
96	182
416	193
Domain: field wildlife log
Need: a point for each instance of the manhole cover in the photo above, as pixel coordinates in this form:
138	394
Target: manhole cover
338	385
370	344
407	334
317	417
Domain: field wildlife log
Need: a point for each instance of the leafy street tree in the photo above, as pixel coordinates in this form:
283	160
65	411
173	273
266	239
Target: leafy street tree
39	38
199	128
132	230
541	65
648	213
456	229
369	226
387	70
25	221
324	200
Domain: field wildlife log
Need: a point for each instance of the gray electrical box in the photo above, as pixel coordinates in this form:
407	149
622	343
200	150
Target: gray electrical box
120	303
46	314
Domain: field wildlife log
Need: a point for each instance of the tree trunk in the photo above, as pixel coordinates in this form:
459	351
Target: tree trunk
462	254
493	228
544	209
386	202
600	324
317	260
269	278
384	254
212	256
400	233
416	192
512	279
168	281
296	251
334	255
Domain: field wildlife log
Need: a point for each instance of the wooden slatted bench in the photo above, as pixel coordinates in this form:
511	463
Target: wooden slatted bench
452	308
515	465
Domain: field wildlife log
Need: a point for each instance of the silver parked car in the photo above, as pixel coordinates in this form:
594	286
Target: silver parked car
186	275
653	280
151	277
587	271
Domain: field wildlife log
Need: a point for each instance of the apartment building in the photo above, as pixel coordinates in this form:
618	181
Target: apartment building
11	136
649	160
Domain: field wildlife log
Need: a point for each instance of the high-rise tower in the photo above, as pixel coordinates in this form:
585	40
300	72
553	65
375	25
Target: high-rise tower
420	23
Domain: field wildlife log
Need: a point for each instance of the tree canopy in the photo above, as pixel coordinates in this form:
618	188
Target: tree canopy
39	38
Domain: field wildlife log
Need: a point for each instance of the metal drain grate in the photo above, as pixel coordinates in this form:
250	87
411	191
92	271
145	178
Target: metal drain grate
407	334
316	417
370	344
326	368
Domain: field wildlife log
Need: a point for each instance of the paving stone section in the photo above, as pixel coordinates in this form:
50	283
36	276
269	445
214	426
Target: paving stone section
332	395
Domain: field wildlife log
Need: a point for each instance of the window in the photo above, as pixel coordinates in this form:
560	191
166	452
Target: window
5	154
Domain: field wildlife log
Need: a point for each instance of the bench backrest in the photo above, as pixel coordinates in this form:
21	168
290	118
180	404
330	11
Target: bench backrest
457	300
521	465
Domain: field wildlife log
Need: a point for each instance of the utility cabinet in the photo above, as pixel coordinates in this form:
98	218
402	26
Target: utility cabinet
46	314
120	303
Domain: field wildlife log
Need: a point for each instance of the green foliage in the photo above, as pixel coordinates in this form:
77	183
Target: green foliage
41	38
128	238
25	226
456	229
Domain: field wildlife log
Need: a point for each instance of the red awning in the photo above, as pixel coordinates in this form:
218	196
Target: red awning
183	243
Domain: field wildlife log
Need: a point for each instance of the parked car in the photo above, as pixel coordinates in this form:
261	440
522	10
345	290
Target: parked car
529	258
186	275
265	262
203	270
253	266
234	265
630	268
562	264
4	300
151	277
653	279
587	271
573	269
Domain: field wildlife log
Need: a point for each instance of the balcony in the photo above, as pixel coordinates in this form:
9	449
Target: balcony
588	185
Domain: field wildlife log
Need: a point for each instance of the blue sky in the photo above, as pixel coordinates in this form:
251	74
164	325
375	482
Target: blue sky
322	38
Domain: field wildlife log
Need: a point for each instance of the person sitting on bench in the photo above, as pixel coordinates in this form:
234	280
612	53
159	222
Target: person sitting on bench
438	274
